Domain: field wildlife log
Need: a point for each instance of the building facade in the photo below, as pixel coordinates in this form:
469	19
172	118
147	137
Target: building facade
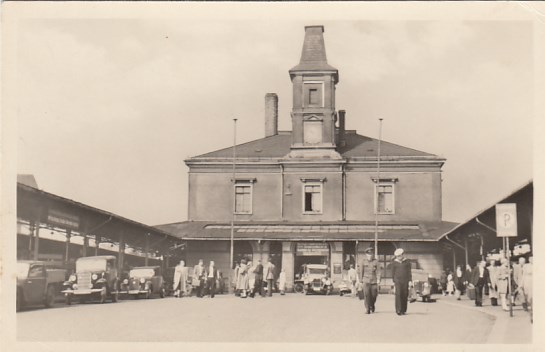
312	195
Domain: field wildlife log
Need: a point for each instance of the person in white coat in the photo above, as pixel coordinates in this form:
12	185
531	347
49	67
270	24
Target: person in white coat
180	280
282	282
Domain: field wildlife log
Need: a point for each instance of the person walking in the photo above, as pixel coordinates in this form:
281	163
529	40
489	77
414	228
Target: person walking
251	279
493	274
282	282
269	276
459	281
517	279
353	279
402	277
236	279
198	278
479	279
258	285
180	280
503	282
243	279
526	284
370	279
211	277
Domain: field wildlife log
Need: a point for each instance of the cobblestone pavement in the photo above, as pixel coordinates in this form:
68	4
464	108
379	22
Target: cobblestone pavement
289	318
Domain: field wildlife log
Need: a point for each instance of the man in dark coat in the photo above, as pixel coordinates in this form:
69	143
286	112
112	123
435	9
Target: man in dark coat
258	286
480	278
370	279
401	274
211	275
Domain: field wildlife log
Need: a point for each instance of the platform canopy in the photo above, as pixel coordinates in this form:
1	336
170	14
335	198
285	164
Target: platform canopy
35	206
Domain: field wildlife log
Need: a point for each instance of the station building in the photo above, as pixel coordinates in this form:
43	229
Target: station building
311	195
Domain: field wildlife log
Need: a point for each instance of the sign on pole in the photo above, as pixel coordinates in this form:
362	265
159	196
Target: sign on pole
506	220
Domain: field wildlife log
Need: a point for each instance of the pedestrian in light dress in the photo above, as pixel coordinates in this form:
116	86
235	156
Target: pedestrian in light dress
282	282
243	279
503	282
235	282
180	279
251	279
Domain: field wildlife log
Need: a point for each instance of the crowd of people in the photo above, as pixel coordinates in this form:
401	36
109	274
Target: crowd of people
492	278
248	279
486	278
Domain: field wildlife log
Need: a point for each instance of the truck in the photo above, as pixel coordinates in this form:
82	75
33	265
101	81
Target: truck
37	284
95	278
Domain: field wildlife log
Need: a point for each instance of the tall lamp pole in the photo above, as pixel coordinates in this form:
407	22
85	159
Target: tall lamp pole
378	185
234	195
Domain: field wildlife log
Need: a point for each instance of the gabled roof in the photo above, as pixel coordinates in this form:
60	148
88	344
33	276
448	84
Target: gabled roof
278	146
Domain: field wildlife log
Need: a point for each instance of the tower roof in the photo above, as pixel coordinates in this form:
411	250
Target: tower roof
313	57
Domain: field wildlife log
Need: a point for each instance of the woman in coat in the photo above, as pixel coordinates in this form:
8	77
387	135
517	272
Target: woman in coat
493	270
180	280
251	277
527	275
459	281
243	279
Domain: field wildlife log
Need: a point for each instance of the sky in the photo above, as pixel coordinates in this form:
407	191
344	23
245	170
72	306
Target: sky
109	109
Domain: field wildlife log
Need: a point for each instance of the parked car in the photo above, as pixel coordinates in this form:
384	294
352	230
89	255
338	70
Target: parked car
95	278
316	279
144	281
37	284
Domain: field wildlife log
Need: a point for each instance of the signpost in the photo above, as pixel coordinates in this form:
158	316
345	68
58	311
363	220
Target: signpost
506	226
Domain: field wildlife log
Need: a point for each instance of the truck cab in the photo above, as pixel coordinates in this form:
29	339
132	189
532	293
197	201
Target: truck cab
36	284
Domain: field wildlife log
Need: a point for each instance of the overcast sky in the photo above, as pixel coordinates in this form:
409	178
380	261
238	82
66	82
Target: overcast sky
107	109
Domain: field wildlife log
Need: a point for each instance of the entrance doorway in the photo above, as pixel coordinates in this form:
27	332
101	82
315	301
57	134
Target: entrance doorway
275	255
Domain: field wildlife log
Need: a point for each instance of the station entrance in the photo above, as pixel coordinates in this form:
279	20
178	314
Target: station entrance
310	253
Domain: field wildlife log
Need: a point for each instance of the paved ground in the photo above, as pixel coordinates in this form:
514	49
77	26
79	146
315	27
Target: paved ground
290	318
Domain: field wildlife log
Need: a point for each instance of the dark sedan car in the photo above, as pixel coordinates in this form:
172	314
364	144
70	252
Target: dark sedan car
144	281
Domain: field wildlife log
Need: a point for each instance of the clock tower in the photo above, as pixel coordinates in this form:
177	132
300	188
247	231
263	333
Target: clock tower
313	115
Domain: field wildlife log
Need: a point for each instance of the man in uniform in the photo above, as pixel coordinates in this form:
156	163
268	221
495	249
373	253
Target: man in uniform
370	279
402	277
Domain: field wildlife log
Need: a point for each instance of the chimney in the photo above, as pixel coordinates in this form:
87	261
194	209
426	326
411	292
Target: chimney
342	138
271	114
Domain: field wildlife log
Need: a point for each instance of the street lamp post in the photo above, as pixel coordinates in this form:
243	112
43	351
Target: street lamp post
234	199
378	185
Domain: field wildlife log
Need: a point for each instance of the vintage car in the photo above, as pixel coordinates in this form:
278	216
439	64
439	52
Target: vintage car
316	279
95	278
37	284
144	281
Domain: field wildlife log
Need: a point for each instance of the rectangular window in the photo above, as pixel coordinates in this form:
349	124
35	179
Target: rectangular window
243	198
384	198
312	198
313	97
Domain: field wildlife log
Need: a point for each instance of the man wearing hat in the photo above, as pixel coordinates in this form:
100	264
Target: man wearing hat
401	274
371	279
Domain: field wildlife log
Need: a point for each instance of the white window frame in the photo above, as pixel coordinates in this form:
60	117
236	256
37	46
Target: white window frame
243	183
313	183
385	183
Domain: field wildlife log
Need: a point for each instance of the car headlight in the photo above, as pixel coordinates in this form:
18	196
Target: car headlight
74	286
126	282
94	276
72	278
142	280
